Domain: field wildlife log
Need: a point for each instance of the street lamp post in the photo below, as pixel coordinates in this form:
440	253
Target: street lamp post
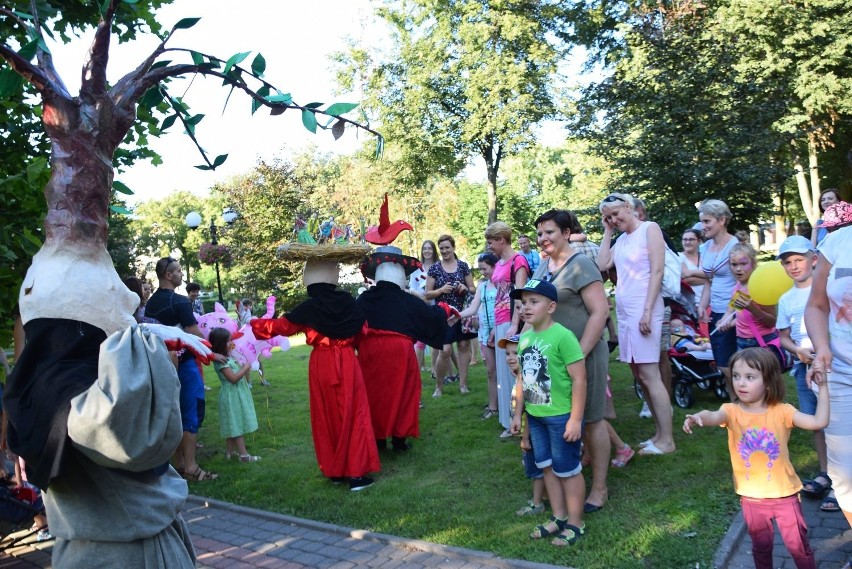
193	220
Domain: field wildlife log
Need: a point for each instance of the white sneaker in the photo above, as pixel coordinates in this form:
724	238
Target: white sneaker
645	413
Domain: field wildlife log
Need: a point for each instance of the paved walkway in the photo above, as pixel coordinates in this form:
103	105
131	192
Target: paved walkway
233	537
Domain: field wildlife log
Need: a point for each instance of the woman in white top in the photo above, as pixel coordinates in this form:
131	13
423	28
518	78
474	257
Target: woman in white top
417	287
828	318
691	257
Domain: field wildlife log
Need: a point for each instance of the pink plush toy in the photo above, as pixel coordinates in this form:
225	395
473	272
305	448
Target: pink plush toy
246	348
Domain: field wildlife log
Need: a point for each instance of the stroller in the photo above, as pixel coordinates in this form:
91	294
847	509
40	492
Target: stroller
692	366
689	367
18	506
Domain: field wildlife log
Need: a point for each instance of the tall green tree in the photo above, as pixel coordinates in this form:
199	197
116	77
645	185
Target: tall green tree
160	228
464	79
800	52
676	121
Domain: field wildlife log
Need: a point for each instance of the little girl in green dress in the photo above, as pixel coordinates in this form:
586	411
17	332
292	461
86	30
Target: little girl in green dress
236	407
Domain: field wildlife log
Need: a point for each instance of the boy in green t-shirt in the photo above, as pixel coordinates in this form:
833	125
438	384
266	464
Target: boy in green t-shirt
552	390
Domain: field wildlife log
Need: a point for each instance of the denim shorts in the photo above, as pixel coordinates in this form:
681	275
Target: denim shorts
807	398
550	449
724	343
531	471
191	396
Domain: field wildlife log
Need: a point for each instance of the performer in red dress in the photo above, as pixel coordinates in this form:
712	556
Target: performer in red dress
395	319
340	415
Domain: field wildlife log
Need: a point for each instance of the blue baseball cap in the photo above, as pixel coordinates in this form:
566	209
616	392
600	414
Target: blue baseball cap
794	244
543	288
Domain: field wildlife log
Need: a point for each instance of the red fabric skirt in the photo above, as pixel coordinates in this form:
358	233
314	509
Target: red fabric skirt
392	377
340	415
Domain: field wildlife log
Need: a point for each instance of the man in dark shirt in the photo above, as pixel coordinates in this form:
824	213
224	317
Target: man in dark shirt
173	309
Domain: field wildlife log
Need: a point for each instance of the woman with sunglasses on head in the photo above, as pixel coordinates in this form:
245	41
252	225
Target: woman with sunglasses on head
638	258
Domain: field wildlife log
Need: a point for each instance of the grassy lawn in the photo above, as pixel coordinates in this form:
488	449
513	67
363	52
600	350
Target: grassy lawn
460	485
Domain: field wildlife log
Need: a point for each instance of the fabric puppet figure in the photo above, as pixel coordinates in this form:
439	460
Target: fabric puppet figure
395	319
93	410
340	415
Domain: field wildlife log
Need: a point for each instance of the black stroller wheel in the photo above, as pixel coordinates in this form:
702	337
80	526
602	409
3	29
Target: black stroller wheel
683	395
721	391
704	384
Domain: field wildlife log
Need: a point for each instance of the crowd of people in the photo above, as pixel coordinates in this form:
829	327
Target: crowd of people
544	326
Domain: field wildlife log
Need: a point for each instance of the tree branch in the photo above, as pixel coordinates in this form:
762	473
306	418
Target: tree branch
93	84
45	58
26	69
127	98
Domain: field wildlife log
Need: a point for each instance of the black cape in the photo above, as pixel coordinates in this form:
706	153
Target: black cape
59	361
329	311
388	307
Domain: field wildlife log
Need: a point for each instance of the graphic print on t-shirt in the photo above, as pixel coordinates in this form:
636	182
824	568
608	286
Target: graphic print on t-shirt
536	381
759	440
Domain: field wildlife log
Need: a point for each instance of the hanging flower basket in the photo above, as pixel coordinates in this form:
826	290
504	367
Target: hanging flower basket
210	254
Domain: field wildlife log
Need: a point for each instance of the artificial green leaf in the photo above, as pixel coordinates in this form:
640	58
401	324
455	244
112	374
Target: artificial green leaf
258	65
337	129
121	188
220	160
186	23
104	6
130	1
309	119
313	105
203	167
22	15
161	64
235	59
255	103
195	119
338	109
29	50
10	83
275	111
118	208
151	98
280	98
197	58
168	121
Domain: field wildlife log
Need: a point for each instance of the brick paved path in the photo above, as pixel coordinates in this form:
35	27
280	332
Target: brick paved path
233	537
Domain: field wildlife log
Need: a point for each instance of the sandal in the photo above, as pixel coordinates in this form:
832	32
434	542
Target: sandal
816	489
569	536
622	457
248	458
541	531
829	504
200	475
530	509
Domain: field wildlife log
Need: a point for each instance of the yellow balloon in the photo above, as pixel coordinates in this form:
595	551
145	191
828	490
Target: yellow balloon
768	282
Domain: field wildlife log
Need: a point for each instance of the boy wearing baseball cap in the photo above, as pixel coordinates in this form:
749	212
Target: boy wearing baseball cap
797	256
552	391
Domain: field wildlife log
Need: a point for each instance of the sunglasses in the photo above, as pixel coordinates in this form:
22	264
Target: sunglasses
610	199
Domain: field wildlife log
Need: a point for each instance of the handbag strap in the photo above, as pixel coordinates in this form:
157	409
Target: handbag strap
757	335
